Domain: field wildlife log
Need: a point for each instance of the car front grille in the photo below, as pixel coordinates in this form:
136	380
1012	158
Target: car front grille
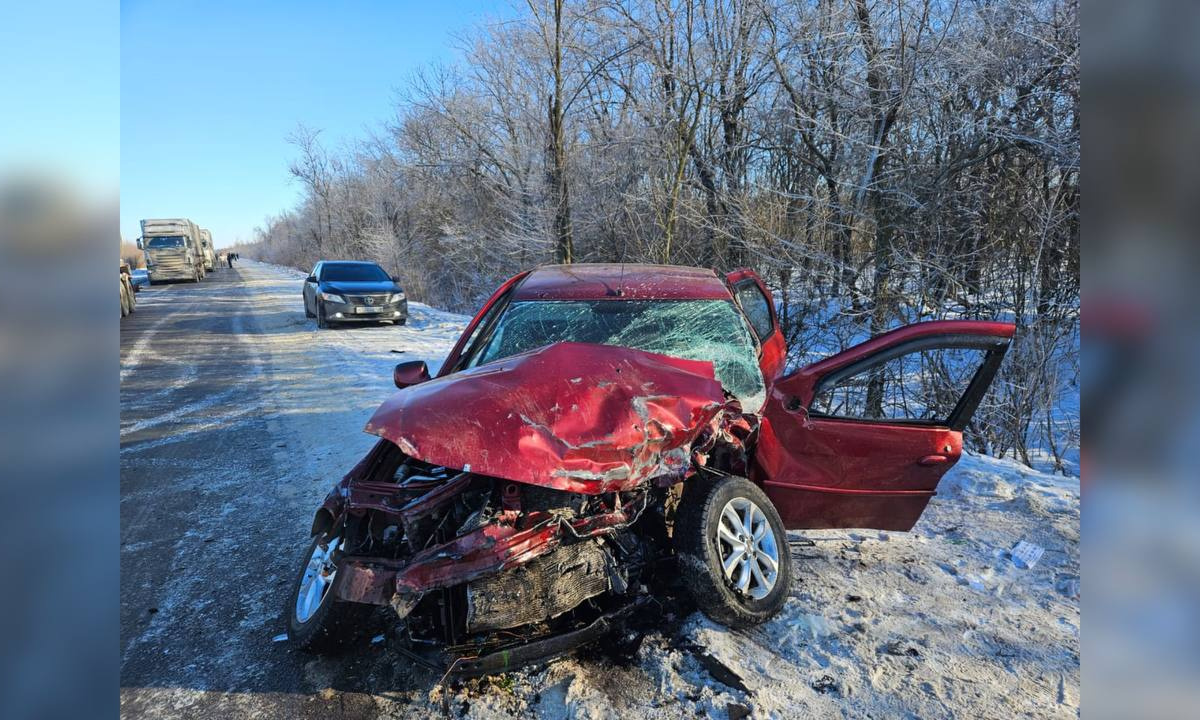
375	300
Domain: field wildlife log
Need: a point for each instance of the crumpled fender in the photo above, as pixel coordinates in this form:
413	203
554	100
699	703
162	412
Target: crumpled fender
575	417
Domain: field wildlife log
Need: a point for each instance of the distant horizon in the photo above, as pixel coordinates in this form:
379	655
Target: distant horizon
219	155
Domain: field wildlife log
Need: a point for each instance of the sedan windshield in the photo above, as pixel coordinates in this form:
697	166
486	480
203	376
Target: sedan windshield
353	272
166	241
711	330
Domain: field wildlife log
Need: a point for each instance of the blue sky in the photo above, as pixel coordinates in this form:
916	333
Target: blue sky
210	90
59	95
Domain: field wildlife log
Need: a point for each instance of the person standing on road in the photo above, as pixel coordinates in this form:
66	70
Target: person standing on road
229	258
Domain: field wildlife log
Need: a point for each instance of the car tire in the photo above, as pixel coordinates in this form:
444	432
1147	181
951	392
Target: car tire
317	621
322	321
402	321
710	503
307	314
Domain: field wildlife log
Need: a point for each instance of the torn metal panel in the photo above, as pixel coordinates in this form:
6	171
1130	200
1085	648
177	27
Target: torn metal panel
545	648
544	588
366	580
489	549
571	416
496	547
438	496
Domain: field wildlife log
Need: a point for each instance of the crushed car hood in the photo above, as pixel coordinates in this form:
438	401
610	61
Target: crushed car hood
575	417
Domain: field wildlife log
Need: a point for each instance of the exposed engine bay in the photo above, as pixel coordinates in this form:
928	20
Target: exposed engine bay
475	565
489	572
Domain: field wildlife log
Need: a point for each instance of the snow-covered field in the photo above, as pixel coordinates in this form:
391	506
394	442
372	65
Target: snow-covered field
939	622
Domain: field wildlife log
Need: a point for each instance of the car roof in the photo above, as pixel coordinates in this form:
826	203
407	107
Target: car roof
349	262
621	281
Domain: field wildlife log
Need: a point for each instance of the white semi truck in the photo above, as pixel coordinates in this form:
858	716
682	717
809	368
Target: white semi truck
174	250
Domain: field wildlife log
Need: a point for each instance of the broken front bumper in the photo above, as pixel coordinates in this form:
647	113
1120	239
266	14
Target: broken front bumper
536	651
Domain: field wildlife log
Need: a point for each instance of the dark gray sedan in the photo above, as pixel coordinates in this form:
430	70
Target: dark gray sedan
340	291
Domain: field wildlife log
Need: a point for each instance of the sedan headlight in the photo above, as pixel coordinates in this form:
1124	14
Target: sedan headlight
396	297
333	298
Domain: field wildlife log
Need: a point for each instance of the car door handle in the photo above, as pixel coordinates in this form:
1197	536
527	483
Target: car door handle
933	460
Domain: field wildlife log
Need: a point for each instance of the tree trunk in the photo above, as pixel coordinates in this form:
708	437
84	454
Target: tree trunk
557	176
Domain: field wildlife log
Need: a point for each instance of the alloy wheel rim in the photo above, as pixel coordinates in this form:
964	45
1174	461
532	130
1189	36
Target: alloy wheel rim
747	548
318	578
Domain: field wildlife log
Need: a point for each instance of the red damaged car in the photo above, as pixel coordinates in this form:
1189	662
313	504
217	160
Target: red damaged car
600	432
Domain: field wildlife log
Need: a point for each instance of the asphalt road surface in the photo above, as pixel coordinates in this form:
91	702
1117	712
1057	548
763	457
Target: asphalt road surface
237	415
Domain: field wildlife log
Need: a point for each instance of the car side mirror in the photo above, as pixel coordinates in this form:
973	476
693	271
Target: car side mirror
396	279
310	278
409	373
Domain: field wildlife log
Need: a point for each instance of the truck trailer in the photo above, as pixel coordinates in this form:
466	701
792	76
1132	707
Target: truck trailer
210	254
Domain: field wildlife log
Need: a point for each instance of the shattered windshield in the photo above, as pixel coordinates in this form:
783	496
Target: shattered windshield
711	330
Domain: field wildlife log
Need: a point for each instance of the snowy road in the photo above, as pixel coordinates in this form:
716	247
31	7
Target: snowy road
237	415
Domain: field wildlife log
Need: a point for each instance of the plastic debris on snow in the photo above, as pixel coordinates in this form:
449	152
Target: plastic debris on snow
815	626
1025	554
281	637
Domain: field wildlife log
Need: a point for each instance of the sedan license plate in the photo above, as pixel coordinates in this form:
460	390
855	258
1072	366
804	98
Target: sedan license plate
365	310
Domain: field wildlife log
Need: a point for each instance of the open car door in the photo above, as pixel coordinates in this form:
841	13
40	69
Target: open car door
861	439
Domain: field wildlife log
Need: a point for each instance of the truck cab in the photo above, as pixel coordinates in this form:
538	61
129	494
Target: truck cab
173	249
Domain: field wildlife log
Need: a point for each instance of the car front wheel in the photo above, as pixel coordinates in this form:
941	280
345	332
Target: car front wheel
731	544
316	620
322	321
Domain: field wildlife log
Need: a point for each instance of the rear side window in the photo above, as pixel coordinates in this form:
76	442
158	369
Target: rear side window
756	307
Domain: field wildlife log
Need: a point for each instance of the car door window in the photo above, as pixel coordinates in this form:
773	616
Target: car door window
756	308
316	271
924	386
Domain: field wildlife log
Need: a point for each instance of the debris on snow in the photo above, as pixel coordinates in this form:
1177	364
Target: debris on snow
1025	554
1068	585
825	684
736	711
899	648
281	637
814	625
721	672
